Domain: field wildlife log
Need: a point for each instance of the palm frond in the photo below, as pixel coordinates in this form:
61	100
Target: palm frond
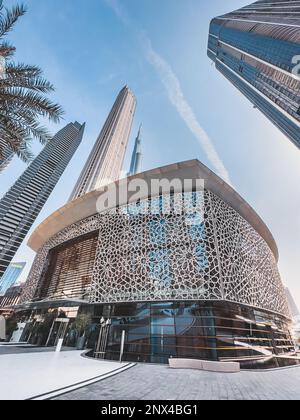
30	125
22	69
9	19
6	49
34	100
25	76
22	149
23	99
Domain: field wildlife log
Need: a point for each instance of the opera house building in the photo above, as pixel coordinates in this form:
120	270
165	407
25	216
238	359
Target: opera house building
197	281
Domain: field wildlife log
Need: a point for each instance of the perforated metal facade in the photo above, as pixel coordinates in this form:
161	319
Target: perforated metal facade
207	252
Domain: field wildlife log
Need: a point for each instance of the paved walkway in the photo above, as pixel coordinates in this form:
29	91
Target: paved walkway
27	375
154	382
21	349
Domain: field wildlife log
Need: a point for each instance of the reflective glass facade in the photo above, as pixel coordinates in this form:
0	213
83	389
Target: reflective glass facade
156	331
256	48
11	298
10	276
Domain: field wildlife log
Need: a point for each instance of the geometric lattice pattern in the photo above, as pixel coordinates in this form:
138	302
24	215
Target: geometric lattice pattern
203	250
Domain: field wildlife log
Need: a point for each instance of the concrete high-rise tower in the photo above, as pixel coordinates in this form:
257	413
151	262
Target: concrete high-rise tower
21	205
136	160
257	49
105	162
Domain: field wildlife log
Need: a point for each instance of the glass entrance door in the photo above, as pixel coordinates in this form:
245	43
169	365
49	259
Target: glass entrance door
58	331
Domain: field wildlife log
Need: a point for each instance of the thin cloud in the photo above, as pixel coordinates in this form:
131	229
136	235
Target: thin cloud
174	92
119	11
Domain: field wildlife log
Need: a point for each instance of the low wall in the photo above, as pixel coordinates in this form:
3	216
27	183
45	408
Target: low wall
223	367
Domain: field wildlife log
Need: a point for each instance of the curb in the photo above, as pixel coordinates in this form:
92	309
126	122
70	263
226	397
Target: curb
74	387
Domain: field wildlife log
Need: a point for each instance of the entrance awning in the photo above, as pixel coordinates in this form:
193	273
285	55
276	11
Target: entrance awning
50	303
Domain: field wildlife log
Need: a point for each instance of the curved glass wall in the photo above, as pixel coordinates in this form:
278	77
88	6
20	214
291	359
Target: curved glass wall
155	332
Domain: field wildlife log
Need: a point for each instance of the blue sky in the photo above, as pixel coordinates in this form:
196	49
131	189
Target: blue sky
90	48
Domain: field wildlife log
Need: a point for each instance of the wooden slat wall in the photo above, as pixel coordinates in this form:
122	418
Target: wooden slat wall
71	267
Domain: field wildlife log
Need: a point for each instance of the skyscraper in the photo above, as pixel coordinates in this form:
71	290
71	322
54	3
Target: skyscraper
257	49
105	162
136	160
10	277
23	202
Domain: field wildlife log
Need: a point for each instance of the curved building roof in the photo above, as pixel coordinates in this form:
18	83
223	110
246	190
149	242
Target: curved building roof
86	205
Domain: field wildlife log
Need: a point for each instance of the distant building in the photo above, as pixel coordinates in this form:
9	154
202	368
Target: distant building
297	330
292	304
105	162
257	49
21	205
10	299
136	160
11	276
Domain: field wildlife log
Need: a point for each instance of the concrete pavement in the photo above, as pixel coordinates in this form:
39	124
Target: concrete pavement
159	383
29	375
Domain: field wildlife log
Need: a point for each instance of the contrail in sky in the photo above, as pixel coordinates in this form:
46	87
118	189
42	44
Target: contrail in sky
174	92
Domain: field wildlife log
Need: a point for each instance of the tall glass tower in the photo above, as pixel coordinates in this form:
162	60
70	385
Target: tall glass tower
21	205
11	276
105	162
257	49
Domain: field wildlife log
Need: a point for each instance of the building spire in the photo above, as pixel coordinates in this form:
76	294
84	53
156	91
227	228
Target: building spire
136	160
139	136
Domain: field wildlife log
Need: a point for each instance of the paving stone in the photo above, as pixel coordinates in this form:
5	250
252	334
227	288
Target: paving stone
158	383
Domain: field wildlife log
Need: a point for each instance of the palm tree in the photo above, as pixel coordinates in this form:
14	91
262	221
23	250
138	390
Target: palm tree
23	99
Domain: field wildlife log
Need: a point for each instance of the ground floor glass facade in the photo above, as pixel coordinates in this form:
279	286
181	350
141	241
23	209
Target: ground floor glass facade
154	332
